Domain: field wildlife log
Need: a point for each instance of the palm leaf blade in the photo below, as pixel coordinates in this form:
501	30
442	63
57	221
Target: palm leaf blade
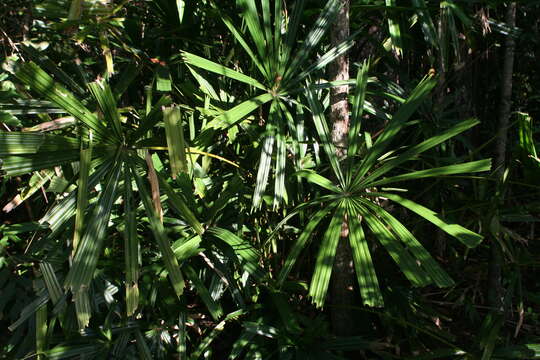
400	255
324	134
420	148
107	103
365	271
426	261
325	258
467	237
301	243
468	167
33	76
247	254
395	125
87	254
175	140
237	113
219	69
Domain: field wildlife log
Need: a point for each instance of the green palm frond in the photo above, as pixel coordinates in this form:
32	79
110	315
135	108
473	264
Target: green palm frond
354	185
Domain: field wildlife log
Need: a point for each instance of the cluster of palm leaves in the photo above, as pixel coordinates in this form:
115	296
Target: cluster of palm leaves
155	232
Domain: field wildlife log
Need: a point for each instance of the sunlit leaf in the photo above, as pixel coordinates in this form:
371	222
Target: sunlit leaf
219	69
325	258
363	264
248	256
175	140
467	237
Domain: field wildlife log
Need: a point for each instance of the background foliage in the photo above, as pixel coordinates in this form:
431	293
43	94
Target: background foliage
170	188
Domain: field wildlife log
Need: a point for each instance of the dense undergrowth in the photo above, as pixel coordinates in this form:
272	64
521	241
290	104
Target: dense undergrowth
172	188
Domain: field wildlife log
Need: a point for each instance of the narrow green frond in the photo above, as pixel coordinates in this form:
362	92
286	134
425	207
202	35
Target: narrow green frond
269	56
468	167
38	80
267	151
263	171
127	75
60	213
219	69
184	249
88	251
526	134
204	85
131	245
24	164
83	308
39	301
41	332
163	78
320	27
467	237
325	59
152	118
50	66
395	31
105	45
179	205
26	143
324	134
107	103
278	37
428	27
417	149
82	196
357	110
423	258
365	271
395	125
325	258
291	35
301	243
250	13
280	192
180	6
317	179
237	113
51	282
401	256
238	36
175	140
233	188
182	335
70	351
248	256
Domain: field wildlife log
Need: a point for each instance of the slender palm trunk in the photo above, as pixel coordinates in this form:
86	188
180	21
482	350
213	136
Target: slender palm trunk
343	274
495	265
506	90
